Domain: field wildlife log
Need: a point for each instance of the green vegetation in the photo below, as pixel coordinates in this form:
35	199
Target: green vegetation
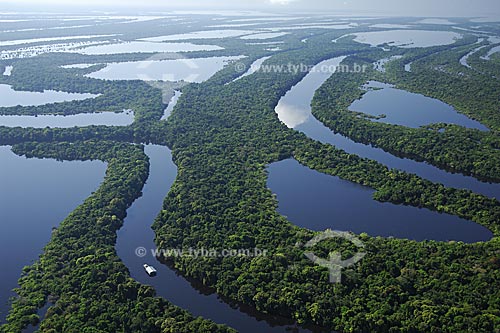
222	138
138	96
486	67
80	271
458	149
220	200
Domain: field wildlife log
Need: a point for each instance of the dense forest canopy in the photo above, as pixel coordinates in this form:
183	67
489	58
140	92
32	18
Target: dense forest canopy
223	133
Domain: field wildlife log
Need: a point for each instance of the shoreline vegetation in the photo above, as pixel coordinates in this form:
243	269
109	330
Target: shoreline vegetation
222	138
80	271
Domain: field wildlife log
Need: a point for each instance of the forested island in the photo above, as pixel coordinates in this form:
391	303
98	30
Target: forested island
223	133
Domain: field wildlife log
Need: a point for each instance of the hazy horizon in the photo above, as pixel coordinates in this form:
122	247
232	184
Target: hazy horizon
423	8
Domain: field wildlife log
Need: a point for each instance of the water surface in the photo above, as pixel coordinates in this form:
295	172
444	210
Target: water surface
189	70
35	196
294	110
8	70
407	38
401	107
317	201
11	97
170	107
189	295
206	34
491	52
254	67
145	47
33	51
464	59
82	119
438	21
318	26
80	66
52	39
389	26
380	64
265	35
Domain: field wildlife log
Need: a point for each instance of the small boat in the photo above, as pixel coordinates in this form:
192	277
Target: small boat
150	270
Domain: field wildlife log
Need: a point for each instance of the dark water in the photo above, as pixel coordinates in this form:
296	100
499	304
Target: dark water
41	314
408	109
325	197
189	295
36	195
294	110
317	201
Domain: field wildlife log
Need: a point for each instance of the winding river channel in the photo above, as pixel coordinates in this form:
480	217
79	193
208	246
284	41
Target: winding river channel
294	110
308	198
188	294
317	201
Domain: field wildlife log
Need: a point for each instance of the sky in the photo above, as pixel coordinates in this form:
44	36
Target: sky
430	8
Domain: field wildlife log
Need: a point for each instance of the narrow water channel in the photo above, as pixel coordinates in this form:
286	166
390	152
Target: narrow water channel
254	67
170	107
190	295
294	110
57	121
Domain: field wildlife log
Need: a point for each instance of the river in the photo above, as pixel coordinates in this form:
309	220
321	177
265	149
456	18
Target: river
190	295
318	202
294	110
35	196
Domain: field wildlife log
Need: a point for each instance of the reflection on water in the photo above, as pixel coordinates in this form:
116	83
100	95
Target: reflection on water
491	52
189	70
296	103
435	21
380	64
389	26
254	67
464	59
291	115
407	38
35	196
265	35
207	34
401	107
52	39
80	66
8	70
171	105
317	201
145	47
316	26
34	50
11	97
186	293
82	119
294	108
